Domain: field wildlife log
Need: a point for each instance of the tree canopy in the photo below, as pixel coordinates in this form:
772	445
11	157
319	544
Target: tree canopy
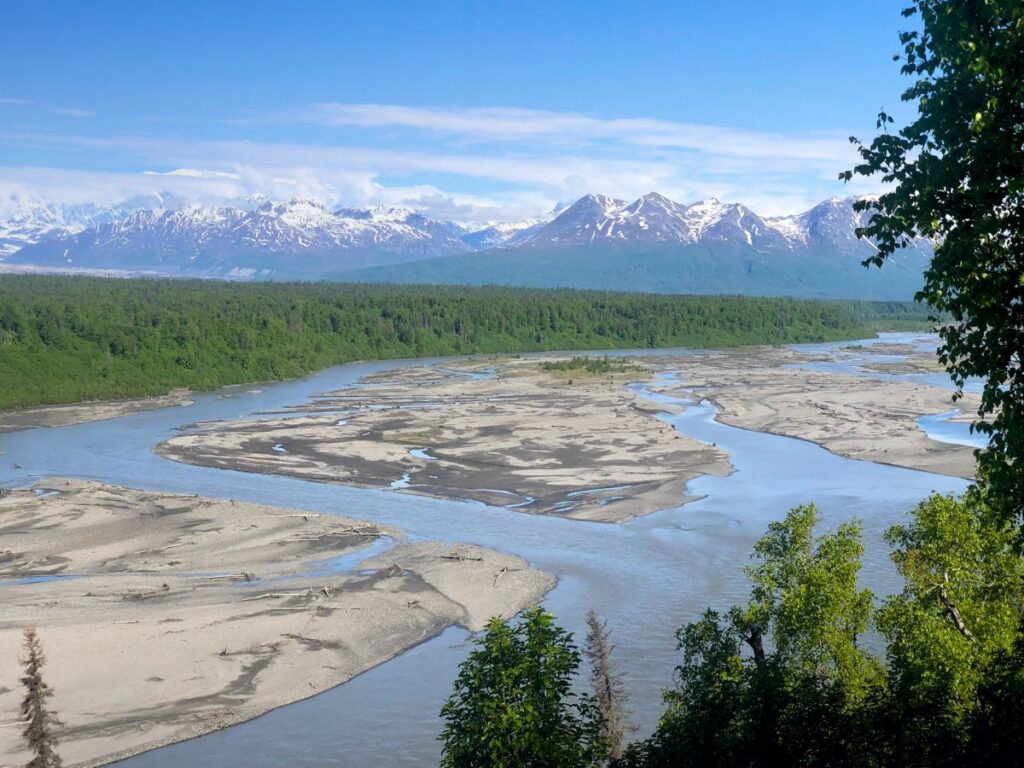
513	703
783	679
959	612
786	679
956	175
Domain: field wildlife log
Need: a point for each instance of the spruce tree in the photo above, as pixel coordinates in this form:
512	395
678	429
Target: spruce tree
39	721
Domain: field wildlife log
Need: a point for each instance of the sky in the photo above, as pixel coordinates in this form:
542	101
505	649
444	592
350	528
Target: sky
468	111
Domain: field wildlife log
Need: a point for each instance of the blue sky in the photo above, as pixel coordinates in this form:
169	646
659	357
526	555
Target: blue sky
470	111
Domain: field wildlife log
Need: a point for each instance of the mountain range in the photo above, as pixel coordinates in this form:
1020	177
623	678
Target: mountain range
28	219
651	244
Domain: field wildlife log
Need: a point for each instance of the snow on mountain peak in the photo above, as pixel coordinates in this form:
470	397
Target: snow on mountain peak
257	228
596	202
381	214
655	218
298	212
704	214
27	219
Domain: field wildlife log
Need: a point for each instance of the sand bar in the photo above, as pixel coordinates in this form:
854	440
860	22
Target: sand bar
167	616
506	433
79	413
856	416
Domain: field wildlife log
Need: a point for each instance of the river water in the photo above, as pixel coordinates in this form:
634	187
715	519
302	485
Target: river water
646	577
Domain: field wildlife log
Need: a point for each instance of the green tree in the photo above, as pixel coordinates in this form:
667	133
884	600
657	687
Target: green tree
704	723
513	705
959	611
957	176
996	736
803	690
805	595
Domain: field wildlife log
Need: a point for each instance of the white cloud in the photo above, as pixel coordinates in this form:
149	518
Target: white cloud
468	164
513	124
194	173
61	185
72	112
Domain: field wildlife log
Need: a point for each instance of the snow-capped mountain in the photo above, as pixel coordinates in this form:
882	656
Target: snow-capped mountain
495	234
832	221
258	238
713	221
498	233
599	219
656	245
296	237
654	219
400	228
27	219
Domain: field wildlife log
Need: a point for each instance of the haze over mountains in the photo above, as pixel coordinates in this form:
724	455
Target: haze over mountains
650	244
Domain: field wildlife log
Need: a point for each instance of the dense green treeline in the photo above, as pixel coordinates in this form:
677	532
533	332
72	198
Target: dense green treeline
64	339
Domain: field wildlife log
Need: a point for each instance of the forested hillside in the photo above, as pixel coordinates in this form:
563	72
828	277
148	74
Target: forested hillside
704	268
64	339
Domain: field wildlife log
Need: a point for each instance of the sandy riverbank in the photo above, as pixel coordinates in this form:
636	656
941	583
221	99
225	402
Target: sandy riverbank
505	432
171	616
854	416
79	413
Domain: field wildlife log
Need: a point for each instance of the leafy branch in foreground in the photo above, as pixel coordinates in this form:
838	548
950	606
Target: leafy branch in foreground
779	679
957	177
784	679
959	612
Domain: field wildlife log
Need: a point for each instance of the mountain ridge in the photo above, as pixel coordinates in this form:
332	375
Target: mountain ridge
302	238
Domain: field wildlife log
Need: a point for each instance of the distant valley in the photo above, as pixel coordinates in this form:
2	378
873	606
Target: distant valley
652	244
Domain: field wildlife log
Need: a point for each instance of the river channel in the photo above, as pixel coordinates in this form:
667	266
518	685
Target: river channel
645	577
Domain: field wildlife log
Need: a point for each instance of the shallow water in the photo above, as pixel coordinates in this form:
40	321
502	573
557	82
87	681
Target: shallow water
939	427
646	577
862	355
